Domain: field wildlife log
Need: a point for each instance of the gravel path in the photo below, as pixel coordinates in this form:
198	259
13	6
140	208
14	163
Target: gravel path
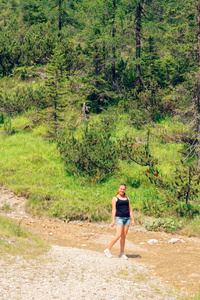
71	273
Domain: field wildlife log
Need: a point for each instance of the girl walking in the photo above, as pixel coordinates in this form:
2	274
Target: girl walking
122	216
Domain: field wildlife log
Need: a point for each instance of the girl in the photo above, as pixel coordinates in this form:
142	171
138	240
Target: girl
122	215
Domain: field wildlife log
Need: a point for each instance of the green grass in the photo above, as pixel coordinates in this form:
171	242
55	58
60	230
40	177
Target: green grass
197	297
192	228
16	240
192	295
32	166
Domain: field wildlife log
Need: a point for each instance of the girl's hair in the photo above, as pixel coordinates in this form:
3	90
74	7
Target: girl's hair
119	186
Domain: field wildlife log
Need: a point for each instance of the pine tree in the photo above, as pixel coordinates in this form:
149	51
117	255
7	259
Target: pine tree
56	93
198	79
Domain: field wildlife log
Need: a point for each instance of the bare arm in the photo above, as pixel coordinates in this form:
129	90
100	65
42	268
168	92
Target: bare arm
131	214
113	211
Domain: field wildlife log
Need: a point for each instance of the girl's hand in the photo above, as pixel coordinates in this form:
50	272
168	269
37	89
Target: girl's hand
112	224
133	223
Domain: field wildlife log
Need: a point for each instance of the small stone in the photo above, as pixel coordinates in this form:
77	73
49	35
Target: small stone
194	275
50	233
153	242
138	140
173	241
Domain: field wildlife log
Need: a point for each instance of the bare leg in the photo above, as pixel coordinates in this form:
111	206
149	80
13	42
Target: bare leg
119	230
123	238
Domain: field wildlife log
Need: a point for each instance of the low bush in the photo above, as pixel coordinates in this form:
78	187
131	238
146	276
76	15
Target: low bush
192	227
94	157
187	209
167	225
22	99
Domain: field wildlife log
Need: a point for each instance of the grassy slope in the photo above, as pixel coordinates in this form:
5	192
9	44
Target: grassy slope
32	166
16	240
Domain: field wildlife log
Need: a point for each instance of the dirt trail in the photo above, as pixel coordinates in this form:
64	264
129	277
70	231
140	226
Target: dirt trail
175	263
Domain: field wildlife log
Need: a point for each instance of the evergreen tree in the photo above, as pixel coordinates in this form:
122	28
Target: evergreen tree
33	11
56	94
198	79
94	156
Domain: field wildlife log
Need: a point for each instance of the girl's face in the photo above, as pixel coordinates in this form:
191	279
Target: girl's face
121	190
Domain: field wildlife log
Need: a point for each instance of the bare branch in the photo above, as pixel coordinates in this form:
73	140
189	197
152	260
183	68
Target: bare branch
27	126
163	202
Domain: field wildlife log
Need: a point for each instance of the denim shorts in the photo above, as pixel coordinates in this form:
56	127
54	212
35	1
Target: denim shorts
122	221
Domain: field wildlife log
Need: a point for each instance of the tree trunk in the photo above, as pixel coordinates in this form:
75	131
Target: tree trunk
138	43
55	103
198	79
96	60
113	46
104	52
189	186
59	17
104	58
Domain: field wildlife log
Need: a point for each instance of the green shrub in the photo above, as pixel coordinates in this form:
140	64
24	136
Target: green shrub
187	209
94	157
192	227
138	117
168	225
2	118
57	209
133	182
8	125
136	152
22	99
149	205
186	182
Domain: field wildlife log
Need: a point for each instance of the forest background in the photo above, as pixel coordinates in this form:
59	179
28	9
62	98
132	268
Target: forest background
95	93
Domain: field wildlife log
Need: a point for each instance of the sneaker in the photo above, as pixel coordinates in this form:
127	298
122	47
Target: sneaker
108	253
123	256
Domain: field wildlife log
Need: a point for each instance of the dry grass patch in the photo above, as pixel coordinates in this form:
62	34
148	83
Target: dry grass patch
16	240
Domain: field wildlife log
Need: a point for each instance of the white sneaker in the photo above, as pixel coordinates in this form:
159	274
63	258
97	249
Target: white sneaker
108	253
123	256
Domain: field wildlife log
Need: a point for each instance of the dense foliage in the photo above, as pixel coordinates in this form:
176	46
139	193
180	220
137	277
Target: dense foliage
95	156
70	61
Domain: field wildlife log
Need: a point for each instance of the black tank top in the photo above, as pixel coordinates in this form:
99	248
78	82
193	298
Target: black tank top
122	208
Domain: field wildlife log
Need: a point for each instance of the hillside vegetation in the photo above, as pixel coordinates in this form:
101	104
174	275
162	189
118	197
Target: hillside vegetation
97	93
16	240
